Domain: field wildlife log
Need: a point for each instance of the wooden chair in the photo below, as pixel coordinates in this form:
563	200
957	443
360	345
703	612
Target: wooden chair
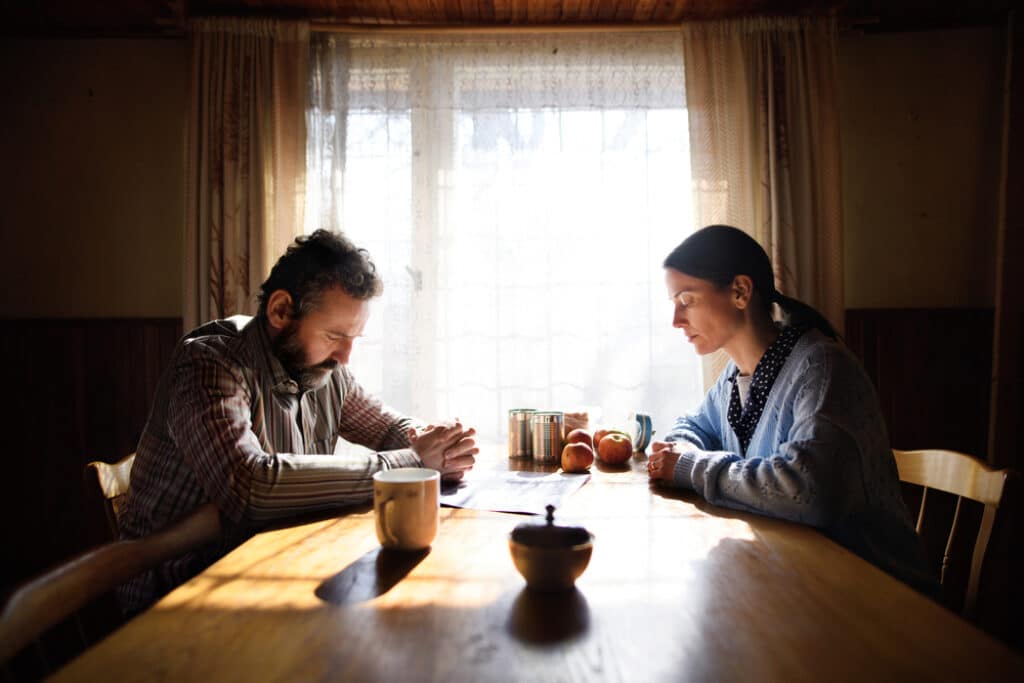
111	480
47	600
964	477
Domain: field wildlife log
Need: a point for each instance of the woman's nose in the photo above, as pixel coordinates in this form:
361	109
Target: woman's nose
678	318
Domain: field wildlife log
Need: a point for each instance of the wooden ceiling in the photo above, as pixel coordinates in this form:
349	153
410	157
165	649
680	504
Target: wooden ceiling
514	12
141	18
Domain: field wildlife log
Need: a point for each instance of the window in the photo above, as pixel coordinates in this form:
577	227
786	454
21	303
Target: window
518	196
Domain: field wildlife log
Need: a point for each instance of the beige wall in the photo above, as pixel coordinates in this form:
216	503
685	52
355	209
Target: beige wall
92	138
921	134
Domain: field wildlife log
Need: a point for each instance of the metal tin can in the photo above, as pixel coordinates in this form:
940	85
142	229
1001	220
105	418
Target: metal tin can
546	428
520	443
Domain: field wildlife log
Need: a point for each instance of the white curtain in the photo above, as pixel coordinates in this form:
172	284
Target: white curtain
245	184
764	130
518	194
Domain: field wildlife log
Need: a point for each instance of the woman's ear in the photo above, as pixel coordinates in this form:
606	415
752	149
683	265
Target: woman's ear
279	309
742	291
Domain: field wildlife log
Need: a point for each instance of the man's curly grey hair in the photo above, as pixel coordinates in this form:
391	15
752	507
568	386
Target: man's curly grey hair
317	262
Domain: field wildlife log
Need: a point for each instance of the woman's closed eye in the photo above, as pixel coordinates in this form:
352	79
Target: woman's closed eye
685	300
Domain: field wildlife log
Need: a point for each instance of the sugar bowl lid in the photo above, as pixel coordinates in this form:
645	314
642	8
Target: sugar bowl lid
550	535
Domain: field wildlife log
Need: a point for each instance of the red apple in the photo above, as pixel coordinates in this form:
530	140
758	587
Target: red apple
615	448
601	433
577	457
579	436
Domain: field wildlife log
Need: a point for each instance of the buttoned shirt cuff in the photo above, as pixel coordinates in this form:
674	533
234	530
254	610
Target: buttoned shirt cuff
682	474
403	457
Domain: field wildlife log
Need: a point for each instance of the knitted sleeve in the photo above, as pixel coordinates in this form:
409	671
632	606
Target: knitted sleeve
805	478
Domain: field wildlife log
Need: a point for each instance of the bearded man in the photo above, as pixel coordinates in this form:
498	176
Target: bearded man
249	411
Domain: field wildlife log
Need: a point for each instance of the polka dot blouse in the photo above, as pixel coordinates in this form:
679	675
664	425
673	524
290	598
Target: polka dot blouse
743	418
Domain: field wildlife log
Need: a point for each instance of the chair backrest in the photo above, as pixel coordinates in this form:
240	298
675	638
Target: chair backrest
111	479
47	600
964	477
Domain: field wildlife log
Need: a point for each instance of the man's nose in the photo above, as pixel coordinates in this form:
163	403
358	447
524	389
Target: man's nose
342	351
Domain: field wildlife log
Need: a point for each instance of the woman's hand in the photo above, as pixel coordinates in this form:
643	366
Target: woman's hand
662	463
448	448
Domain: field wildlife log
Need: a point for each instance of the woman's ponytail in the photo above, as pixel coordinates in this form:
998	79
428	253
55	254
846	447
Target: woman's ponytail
799	314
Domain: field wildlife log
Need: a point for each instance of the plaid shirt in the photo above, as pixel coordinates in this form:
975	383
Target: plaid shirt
229	425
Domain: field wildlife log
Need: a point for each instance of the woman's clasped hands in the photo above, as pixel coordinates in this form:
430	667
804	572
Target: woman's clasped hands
662	463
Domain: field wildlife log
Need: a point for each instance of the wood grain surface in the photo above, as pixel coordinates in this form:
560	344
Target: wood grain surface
676	590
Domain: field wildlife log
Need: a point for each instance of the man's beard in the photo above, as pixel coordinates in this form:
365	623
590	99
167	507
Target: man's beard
293	358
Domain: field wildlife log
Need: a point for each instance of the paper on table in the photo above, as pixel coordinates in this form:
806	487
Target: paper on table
512	491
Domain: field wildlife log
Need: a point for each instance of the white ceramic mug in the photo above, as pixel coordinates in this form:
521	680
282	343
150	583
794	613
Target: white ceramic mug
406	505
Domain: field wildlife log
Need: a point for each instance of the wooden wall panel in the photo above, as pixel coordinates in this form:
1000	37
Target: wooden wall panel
1007	446
932	369
1008	371
76	390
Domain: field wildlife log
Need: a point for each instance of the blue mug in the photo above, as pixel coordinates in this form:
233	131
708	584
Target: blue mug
642	431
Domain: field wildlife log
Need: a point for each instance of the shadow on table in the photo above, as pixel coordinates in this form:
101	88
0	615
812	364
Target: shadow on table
542	618
602	466
369	577
531	465
671	493
695	499
319	516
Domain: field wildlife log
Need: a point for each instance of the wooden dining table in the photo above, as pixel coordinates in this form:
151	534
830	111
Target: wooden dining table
676	590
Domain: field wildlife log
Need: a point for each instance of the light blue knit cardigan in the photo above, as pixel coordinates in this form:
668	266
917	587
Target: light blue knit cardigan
819	455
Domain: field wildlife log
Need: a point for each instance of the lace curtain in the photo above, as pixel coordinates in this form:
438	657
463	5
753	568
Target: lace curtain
518	195
244	188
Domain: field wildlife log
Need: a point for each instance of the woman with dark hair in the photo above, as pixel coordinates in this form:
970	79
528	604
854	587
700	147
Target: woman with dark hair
792	428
